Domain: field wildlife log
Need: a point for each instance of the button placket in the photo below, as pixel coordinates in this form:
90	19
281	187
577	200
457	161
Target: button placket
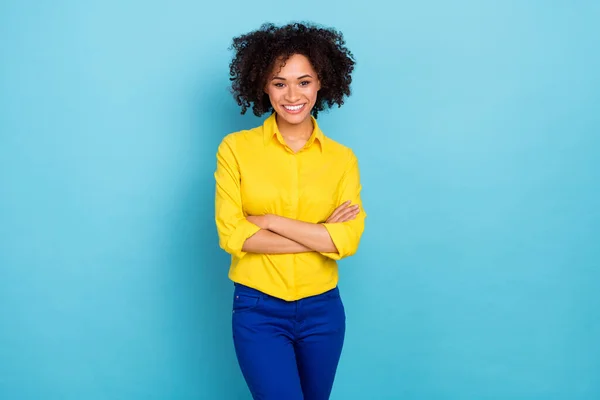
294	186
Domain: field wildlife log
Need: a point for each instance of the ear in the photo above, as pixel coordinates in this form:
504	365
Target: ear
318	85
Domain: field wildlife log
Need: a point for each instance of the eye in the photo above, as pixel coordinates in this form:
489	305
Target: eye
278	85
304	83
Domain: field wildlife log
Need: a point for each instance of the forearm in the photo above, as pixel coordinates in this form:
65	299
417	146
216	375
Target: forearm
267	242
313	236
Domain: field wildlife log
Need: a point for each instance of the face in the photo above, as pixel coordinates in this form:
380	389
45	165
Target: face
293	89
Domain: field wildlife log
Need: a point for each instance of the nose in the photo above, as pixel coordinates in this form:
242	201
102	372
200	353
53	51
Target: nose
292	94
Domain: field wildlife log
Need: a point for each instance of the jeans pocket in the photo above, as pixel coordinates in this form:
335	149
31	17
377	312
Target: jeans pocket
243	302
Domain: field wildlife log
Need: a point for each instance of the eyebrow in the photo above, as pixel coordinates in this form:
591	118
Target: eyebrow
300	77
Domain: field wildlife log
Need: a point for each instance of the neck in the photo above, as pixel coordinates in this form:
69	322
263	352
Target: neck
302	130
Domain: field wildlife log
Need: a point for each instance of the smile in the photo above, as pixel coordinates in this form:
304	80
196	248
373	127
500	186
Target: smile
294	109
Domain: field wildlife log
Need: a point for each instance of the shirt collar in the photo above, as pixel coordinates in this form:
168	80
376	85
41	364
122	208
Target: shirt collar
270	129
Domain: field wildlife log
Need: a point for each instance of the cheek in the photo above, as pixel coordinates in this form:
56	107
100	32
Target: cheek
273	98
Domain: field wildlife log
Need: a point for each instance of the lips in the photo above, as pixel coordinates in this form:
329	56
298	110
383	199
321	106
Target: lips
295	108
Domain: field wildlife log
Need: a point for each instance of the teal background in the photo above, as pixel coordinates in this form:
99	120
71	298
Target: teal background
477	128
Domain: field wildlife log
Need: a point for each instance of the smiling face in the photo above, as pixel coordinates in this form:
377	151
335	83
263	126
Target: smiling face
293	89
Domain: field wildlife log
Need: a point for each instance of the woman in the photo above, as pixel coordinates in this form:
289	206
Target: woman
287	208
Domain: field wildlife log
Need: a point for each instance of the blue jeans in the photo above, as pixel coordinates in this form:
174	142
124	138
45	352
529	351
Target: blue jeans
288	350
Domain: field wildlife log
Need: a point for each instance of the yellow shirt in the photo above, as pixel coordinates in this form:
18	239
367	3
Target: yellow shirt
258	174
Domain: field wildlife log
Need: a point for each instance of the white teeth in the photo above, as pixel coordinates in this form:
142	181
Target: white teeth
294	108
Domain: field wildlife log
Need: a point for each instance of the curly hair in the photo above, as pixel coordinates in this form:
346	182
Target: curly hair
256	53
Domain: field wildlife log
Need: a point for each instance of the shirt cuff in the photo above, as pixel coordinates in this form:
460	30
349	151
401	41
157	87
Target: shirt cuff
244	230
338	234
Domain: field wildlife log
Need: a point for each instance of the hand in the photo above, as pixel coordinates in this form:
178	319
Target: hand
343	213
262	221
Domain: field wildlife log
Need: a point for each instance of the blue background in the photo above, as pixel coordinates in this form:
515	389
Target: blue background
477	127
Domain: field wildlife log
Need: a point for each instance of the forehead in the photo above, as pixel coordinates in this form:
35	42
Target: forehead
295	65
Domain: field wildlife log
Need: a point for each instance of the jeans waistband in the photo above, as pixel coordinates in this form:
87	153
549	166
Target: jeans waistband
251	291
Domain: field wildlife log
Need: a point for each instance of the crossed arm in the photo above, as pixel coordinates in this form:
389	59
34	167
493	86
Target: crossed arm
285	235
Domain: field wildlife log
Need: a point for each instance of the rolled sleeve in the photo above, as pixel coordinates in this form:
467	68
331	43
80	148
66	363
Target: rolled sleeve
346	235
232	226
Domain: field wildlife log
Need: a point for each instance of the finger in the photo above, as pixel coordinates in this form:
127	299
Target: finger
347	210
338	210
347	218
349	214
333	219
337	218
341	207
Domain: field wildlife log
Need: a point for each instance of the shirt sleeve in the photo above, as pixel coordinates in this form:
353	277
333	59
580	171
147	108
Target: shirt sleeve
232	226
346	235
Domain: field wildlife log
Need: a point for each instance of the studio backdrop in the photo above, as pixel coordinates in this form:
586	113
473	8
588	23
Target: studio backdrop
477	129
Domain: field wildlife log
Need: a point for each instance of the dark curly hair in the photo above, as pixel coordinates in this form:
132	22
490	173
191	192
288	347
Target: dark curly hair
257	51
